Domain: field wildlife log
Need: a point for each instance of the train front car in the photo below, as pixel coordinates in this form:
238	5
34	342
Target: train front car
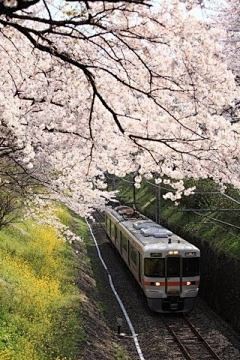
171	275
165	265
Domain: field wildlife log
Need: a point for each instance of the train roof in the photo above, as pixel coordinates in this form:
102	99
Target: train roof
160	238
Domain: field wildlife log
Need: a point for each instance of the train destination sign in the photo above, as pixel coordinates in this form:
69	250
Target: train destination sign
156	255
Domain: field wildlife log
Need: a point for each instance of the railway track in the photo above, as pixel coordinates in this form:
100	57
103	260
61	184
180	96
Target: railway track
99	217
191	343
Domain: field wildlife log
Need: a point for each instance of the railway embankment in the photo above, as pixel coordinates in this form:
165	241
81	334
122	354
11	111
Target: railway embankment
50	305
40	313
220	286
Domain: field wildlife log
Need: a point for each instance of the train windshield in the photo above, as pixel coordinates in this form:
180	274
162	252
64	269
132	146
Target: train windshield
173	266
190	267
154	267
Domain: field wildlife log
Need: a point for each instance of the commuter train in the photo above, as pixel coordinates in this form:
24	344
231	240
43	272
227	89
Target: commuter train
165	265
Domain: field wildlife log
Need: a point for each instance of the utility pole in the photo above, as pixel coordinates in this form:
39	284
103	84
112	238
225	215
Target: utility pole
134	191
158	204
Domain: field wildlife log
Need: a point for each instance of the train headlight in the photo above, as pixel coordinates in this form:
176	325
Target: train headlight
188	283
173	252
157	283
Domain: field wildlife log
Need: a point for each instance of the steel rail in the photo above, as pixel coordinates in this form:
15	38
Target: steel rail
181	345
197	333
176	338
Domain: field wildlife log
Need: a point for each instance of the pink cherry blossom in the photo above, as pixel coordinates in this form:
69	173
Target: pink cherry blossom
119	87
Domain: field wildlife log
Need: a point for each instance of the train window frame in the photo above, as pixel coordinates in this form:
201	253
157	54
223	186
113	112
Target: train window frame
160	274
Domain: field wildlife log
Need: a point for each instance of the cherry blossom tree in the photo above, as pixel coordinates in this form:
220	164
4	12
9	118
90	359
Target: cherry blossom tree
89	87
227	16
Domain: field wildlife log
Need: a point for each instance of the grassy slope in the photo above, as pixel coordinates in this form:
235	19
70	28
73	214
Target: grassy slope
40	307
50	303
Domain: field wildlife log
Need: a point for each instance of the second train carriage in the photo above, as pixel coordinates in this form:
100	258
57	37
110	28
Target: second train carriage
165	265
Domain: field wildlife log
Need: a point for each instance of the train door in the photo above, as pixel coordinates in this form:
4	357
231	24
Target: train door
173	275
140	262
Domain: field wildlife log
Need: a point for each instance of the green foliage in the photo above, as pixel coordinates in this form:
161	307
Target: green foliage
74	222
120	355
39	301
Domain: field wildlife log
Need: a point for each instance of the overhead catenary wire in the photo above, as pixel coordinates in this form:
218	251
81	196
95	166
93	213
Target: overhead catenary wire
217	220
173	190
130	325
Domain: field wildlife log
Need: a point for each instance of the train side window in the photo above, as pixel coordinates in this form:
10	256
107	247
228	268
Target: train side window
113	230
190	267
133	255
118	236
124	243
154	267
108	224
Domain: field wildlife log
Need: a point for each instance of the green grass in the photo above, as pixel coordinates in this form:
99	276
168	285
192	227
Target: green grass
40	313
120	355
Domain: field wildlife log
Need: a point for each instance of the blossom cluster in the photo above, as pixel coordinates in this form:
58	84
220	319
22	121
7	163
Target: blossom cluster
139	90
44	213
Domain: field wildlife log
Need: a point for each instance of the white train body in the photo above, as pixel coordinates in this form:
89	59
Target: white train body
165	265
